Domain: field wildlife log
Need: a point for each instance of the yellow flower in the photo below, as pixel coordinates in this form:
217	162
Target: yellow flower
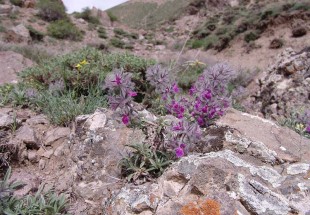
195	63
81	64
84	62
300	127
78	66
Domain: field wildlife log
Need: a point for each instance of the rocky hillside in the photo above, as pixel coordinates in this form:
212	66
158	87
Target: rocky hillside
167	107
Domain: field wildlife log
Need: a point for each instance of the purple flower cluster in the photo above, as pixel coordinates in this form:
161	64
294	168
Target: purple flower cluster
181	135
121	93
160	79
210	94
207	100
177	107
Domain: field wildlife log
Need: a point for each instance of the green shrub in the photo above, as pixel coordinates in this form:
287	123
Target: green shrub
2	28
35	34
18	3
71	85
301	6
117	43
87	16
129	47
206	43
97	66
102	33
195	43
210	42
63	29
119	31
251	36
51	10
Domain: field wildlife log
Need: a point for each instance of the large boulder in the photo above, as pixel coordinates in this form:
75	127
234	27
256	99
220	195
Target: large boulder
256	172
284	87
11	64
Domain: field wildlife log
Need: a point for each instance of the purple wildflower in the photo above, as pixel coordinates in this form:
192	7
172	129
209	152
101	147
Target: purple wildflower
178	126
179	152
207	94
200	121
118	79
192	90
125	119
132	94
308	129
175	88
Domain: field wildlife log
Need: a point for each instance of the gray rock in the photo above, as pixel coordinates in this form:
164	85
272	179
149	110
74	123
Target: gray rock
264	139
281	89
59	151
39	119
97	120
42	164
232	180
11	64
259	199
6	121
28	136
90	191
60	133
48	154
32	156
298	168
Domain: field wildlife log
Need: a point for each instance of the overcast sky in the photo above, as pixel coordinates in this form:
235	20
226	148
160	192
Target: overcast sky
78	5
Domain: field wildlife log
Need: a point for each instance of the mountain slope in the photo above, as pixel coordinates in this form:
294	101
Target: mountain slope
149	13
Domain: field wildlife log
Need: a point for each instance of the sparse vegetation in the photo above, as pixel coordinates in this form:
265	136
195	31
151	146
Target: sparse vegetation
148	14
87	16
63	29
41	203
35	34
28	51
251	36
112	17
2	29
221	28
102	33
299	121
144	163
118	43
18	3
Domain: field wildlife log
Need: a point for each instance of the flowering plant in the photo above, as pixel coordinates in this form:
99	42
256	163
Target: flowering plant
121	93
207	100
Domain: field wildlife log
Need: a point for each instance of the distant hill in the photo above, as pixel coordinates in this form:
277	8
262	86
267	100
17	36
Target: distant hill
149	13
